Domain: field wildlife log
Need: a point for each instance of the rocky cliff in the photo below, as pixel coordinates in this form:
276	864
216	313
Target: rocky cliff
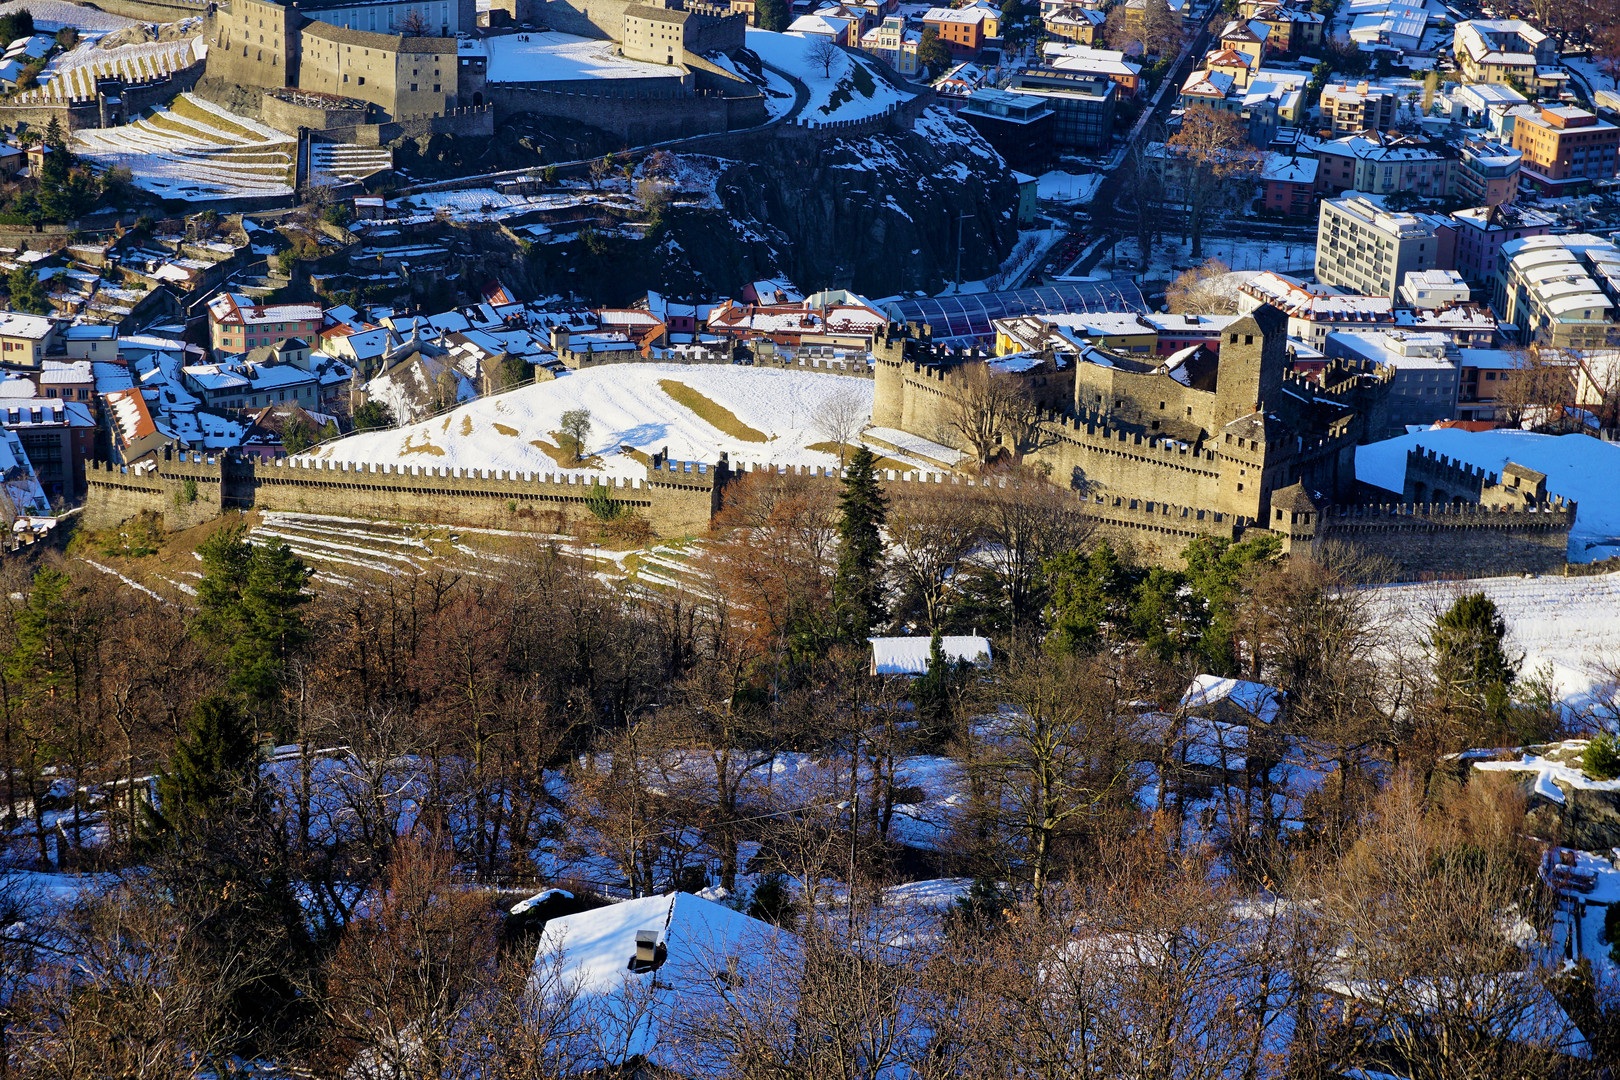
878	214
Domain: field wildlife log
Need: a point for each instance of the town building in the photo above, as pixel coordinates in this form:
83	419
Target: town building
1365	248
1483	376
895	44
1382	164
1292	29
1432	289
59	436
1109	63
1487	173
25	339
963	30
1483	230
1075	23
1083	105
1288	184
1247	38
1022	127
1392	26
237	323
1507	51
1557	290
1564	148
1424	386
1314	313
1351	110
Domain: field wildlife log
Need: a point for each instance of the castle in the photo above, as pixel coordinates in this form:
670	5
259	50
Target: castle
1227	446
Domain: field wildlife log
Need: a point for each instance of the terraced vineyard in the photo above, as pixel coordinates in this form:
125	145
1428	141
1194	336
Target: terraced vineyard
195	150
73	76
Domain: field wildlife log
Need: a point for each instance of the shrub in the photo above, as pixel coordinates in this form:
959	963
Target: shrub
773	902
1601	760
601	504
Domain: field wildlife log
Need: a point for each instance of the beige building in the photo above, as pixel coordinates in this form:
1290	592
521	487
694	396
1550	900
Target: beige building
1350	110
1362	247
1507	51
402	76
25	339
1557	290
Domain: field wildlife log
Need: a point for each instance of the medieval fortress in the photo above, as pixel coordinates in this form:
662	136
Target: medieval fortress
1227	445
370	71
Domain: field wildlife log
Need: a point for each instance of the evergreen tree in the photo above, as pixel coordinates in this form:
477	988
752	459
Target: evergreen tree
211	772
772	14
372	415
1470	665
298	434
250	598
858	583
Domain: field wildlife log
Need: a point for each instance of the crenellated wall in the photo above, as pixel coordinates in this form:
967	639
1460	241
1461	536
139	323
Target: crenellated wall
1463	539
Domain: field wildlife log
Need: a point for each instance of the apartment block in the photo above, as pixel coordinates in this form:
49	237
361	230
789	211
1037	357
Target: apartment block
1351	110
1363	247
1564	147
1559	290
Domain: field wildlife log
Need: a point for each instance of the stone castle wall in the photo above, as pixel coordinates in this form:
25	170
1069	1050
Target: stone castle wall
1461	539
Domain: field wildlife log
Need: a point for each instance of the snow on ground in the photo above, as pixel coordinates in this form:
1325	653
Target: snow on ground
1067	188
52	15
837	92
549	56
1578	467
194	150
1171	256
779	94
627	406
1571	625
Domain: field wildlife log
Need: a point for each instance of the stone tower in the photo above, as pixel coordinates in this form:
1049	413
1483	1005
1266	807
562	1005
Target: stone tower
1254	359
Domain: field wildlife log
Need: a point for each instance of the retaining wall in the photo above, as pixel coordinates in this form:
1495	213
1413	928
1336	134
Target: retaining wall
1462	539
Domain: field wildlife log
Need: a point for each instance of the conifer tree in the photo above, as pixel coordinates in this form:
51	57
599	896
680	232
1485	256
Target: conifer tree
858	584
250	597
211	770
1470	664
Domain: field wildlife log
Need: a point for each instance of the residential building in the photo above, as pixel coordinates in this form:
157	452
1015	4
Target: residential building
1021	127
1288	184
90	342
1508	51
1559	291
25	339
1394	25
1429	289
1482	376
1363	247
58	435
237	323
1075	23
1426	376
1313	313
1487	172
1292	29
957	85
1564	147
1469	325
1382	164
1083	104
1487	105
1351	110
1109	63
1246	37
835	30
895	44
67	381
963	30
1483	230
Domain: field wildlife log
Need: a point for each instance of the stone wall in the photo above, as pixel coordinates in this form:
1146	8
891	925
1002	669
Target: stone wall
1455	539
87	112
637	118
288	114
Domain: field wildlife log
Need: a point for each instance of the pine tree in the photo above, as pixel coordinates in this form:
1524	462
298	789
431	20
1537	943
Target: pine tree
250	598
858	584
211	771
772	14
1470	664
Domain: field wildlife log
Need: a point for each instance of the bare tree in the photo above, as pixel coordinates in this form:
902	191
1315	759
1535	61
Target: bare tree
840	418
1206	289
576	425
1211	153
993	411
414	24
823	53
1538	390
930	534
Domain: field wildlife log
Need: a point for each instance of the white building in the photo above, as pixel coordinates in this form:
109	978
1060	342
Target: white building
1370	250
1434	288
1425	367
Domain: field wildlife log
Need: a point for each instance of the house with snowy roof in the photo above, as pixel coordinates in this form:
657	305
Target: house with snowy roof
1248	37
909	656
237	323
1288	184
622	971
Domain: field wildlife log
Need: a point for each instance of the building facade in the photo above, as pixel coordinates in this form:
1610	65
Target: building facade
1564	148
1363	247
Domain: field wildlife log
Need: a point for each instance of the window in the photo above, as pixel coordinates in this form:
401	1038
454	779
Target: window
361	80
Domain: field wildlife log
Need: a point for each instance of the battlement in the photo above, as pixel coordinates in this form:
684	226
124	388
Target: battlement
1434	465
1555	513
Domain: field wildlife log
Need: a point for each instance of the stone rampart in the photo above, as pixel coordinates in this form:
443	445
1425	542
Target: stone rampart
1461	539
636	116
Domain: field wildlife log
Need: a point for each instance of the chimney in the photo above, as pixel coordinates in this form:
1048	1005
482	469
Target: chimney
646	946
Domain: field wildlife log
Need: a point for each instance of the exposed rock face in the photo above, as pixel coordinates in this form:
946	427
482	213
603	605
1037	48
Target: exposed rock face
1587	814
877	214
880	213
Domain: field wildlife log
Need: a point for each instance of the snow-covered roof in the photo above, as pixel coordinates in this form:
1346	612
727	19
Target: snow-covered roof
590	954
16	324
1257	699
909	655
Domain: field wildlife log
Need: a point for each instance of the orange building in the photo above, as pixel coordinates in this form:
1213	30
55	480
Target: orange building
963	30
1564	147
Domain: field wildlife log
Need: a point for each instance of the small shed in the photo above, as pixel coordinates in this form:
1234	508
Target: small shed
909	655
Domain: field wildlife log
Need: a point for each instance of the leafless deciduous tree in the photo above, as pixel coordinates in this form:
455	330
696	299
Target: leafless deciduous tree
823	53
1210	153
930	534
993	411
1205	289
840	418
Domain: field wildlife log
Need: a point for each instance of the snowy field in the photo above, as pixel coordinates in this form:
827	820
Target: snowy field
72	76
195	150
555	57
836	93
628	407
1569	624
1067	188
1578	467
